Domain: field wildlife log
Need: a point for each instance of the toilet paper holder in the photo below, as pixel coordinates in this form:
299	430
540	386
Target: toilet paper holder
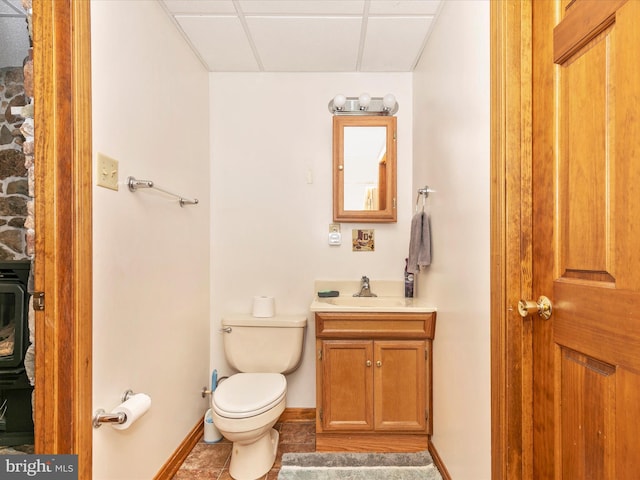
101	416
206	391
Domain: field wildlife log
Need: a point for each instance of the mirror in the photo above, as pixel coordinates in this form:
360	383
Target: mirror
364	169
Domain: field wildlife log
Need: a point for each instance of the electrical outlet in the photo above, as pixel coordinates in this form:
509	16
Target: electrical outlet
107	172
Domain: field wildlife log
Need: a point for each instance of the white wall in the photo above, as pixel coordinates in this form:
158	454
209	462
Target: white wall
151	257
269	226
451	151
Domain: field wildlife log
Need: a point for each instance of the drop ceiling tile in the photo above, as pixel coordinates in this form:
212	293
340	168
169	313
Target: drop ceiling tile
404	7
12	8
221	42
303	7
393	44
306	44
200	6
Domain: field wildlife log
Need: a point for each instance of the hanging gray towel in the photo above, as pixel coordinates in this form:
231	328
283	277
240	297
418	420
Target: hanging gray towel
419	243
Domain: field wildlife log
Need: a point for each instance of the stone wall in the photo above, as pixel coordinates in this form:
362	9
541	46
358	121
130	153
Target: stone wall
16	163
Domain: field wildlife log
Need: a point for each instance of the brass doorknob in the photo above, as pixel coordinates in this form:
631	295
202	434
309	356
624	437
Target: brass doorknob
368	363
542	307
378	363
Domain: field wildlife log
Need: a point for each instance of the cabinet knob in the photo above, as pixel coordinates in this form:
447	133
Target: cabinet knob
368	363
378	363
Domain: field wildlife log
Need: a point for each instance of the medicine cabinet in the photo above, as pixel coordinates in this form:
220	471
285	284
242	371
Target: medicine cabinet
364	169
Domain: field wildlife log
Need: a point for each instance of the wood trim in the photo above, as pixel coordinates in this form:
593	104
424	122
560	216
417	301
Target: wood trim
370	442
173	464
298	415
437	461
546	15
511	230
62	270
574	32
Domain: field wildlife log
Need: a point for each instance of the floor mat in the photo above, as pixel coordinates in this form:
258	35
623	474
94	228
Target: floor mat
358	466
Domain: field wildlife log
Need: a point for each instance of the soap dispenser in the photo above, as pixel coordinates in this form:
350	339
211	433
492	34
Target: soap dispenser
408	280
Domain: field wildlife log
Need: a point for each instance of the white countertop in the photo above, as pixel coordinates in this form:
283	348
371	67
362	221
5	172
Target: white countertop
370	304
389	298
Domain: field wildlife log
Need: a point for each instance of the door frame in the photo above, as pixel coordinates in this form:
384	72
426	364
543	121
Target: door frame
511	239
63	245
62	83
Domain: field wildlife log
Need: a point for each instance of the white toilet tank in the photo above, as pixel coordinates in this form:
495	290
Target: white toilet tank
269	345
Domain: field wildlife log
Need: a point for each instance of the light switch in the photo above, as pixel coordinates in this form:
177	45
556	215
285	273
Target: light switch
107	172
335	237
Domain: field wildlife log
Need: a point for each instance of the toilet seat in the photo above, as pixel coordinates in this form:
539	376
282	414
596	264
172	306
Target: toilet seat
245	395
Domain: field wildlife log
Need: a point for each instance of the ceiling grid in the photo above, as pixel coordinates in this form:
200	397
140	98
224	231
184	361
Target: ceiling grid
305	35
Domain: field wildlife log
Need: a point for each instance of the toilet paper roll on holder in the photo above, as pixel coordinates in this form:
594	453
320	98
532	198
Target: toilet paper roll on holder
101	416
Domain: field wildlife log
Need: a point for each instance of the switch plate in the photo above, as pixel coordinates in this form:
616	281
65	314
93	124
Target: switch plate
335	237
107	172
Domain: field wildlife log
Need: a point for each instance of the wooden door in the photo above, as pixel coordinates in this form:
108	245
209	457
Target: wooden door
347	385
400	385
586	239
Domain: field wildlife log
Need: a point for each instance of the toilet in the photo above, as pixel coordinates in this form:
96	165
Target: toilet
246	406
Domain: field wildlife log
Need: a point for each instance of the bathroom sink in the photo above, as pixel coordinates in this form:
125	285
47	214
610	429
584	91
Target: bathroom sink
368	304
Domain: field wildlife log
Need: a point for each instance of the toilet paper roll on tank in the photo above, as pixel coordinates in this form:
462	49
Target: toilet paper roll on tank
263	306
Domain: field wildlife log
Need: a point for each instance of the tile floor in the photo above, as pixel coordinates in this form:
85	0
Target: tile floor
211	461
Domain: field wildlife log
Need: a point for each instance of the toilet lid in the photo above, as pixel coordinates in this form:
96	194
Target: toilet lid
248	394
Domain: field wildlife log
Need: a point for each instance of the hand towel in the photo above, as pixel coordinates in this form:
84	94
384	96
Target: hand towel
424	254
419	243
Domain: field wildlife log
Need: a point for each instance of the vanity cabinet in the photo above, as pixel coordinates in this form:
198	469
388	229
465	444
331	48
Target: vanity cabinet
373	381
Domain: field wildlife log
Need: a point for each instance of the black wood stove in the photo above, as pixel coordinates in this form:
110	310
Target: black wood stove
16	421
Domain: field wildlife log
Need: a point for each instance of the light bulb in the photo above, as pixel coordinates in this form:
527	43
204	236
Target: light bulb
339	101
389	101
364	99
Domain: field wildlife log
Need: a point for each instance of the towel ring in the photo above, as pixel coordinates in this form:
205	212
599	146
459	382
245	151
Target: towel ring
424	193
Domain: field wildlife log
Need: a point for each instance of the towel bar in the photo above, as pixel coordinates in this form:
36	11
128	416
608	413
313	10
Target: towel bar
134	184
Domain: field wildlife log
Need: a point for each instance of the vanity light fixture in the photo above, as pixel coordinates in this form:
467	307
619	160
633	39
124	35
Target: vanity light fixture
339	102
364	100
389	102
365	104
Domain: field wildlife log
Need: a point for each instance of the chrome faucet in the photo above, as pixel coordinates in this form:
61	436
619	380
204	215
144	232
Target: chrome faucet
365	289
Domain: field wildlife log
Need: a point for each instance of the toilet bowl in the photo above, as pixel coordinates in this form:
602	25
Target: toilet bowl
245	407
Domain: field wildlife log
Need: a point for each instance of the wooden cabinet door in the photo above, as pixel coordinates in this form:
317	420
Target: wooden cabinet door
400	379
347	385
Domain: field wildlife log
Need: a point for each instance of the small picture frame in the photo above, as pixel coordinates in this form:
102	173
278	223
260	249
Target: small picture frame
362	240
